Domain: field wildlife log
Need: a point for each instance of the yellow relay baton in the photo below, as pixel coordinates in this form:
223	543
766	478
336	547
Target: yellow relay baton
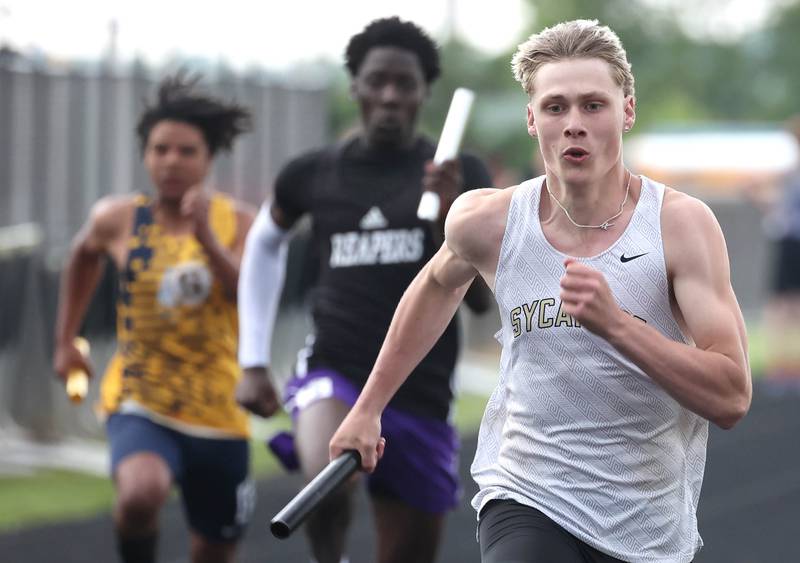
78	379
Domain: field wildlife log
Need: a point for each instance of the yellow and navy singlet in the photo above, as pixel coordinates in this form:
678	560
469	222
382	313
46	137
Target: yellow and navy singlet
177	332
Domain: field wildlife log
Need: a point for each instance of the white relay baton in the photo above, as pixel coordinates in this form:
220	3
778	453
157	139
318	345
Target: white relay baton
449	142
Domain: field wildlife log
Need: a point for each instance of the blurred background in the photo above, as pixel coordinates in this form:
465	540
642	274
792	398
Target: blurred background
715	82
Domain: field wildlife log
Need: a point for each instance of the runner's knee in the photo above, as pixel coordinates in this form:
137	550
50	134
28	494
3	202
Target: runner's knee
143	485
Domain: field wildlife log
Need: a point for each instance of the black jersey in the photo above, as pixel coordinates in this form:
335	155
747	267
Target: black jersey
370	243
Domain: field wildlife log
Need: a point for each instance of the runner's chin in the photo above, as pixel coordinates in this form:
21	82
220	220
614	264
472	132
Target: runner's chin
388	133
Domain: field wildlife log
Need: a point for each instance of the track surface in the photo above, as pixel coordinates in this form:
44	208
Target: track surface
749	508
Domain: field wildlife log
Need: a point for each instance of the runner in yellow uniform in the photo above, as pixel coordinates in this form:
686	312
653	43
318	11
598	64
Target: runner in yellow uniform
169	390
176	329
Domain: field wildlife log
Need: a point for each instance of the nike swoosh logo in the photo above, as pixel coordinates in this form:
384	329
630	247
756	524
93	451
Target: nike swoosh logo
624	258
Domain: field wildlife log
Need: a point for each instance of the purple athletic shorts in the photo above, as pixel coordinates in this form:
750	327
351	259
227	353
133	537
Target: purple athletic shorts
420	464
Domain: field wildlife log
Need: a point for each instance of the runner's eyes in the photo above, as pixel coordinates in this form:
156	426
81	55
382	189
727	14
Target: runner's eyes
559	108
162	150
403	84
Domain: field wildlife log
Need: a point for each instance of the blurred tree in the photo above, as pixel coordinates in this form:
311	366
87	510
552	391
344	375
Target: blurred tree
683	76
775	72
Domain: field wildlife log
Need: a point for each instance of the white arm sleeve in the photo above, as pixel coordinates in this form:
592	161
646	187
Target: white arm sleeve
260	282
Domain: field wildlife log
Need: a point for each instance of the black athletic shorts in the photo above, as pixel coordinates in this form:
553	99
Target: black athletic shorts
510	532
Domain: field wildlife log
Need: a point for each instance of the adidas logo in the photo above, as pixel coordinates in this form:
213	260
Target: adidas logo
374	219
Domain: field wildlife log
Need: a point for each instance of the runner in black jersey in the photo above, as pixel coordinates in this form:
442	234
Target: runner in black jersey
362	195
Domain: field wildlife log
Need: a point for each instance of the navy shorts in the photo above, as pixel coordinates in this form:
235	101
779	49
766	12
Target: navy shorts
787	266
212	474
420	463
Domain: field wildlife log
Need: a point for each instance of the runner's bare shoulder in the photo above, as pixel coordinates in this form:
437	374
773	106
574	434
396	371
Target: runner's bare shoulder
110	219
476	222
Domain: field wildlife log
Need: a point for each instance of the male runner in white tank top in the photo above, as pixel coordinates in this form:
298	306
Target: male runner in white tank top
621	335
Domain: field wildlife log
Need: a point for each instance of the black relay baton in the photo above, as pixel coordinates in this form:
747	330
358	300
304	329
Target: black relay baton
307	500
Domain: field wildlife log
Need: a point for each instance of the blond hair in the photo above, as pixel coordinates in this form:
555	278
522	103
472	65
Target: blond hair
576	39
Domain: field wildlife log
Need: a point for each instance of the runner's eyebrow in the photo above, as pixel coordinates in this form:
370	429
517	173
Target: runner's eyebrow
594	94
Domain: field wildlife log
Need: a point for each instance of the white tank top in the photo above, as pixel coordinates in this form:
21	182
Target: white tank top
574	428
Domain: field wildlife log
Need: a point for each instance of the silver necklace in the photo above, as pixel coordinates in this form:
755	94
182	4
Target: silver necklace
605	224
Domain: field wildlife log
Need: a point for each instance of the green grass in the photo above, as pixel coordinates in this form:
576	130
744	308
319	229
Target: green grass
468	412
56	496
51	495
